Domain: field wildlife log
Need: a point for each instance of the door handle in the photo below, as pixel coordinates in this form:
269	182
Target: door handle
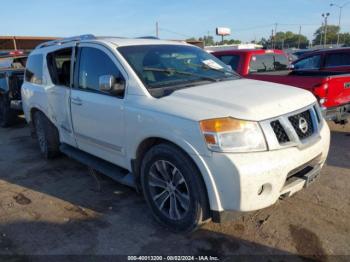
77	101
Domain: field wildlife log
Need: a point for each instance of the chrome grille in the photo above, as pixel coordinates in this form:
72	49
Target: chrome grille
280	133
302	124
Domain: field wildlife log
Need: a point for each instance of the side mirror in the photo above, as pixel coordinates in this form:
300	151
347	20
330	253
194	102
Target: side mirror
112	85
106	83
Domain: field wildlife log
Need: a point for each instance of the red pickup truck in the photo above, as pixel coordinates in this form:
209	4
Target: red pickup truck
332	89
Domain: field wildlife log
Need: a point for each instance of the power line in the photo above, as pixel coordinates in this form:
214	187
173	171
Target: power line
173	32
254	27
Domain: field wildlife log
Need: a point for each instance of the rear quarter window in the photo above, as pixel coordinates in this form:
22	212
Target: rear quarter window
34	69
268	63
231	60
337	59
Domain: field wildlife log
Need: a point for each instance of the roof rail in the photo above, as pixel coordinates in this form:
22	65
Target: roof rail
66	40
147	37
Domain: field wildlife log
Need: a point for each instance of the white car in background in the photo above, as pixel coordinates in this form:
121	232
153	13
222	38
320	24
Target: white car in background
175	122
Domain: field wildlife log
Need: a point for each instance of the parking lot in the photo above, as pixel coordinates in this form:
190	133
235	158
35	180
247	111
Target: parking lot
57	207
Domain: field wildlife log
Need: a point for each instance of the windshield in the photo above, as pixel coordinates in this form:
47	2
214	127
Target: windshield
176	66
268	63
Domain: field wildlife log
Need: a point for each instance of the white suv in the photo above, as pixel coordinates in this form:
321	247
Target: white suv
174	122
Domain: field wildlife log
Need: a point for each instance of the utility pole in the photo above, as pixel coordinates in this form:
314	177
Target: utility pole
321	33
340	12
206	42
325	15
157	30
272	38
14	43
299	37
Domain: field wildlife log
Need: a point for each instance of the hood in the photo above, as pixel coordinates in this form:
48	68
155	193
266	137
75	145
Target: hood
243	99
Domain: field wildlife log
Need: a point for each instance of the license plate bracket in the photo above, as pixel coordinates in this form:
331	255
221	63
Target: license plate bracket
311	177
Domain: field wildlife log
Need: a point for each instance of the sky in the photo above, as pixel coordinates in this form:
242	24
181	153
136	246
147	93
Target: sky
179	19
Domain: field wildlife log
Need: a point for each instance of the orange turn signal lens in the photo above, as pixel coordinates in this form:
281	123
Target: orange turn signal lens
210	139
221	125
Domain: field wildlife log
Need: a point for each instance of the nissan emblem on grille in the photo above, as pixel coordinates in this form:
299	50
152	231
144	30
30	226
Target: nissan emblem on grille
303	126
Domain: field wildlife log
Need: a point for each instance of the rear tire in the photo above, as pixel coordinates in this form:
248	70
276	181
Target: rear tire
47	135
173	188
7	115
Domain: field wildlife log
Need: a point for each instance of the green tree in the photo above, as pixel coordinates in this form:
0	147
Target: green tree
192	39
345	39
208	40
231	41
264	42
332	35
289	39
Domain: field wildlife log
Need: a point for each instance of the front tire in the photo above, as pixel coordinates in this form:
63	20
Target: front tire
47	135
173	188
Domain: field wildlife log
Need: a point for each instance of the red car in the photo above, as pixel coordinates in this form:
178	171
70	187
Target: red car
332	89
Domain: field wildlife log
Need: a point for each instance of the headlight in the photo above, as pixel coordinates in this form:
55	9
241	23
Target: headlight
233	135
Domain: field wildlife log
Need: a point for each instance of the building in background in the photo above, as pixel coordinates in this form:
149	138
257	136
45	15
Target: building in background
8	43
22	42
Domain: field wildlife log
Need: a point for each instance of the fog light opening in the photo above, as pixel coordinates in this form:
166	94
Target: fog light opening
261	190
264	189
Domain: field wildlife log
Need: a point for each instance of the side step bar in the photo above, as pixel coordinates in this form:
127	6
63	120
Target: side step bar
116	173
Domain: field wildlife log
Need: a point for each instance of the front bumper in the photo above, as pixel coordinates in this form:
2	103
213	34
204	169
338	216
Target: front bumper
339	114
252	181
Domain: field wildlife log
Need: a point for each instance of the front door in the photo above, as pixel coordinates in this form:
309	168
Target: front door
97	116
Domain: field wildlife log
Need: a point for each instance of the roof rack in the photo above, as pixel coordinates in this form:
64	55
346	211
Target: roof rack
147	37
66	40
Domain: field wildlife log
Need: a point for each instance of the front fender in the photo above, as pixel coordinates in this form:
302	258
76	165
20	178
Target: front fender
181	132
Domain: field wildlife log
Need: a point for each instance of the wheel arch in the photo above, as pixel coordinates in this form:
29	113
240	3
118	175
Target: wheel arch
32	111
212	197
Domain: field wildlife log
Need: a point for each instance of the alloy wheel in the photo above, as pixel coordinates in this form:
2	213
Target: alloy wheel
169	190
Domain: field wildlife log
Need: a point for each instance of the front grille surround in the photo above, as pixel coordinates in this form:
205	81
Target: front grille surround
281	133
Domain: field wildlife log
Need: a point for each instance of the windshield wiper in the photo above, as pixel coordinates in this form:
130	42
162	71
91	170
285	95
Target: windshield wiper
205	66
170	71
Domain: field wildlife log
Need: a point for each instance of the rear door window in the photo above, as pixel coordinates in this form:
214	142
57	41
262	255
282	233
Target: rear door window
337	59
34	69
268	63
59	64
231	60
312	62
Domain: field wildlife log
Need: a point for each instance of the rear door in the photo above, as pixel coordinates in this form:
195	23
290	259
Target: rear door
58	90
98	117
